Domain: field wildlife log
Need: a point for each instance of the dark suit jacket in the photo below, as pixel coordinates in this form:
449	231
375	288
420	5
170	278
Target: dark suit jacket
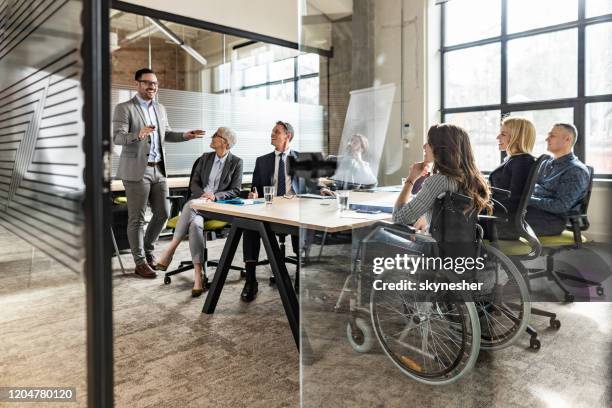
263	174
229	183
511	175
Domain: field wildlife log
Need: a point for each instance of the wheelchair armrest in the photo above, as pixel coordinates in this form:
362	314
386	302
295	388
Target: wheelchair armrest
501	191
389	226
482	217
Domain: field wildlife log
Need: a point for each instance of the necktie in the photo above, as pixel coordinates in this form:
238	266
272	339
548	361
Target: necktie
282	188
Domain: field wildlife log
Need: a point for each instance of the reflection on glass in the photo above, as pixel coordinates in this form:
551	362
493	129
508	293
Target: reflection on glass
543	120
471	20
354	167
472	76
598	127
482	127
598	59
598	7
543	67
525	15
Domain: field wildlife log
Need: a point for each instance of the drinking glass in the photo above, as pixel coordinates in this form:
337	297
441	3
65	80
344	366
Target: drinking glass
342	196
268	194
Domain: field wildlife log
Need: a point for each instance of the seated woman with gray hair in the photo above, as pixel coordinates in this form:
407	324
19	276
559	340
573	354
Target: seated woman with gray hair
217	176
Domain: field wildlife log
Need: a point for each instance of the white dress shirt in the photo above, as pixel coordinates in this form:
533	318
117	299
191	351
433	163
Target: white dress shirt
151	118
215	174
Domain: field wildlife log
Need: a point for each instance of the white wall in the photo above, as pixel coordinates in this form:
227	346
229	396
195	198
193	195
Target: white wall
274	18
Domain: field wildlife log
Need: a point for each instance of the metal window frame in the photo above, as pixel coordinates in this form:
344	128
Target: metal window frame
578	103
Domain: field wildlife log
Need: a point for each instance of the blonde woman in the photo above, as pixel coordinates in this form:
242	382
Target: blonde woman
516	137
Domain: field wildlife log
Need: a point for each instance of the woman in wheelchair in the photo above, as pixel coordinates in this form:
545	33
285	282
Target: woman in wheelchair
454	169
216	176
516	137
435	336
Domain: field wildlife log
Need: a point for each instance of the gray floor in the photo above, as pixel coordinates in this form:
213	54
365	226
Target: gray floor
169	354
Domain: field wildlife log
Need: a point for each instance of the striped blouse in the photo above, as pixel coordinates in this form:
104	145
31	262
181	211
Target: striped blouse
423	202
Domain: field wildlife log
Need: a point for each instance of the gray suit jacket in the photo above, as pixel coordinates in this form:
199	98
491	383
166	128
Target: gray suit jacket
229	183
128	119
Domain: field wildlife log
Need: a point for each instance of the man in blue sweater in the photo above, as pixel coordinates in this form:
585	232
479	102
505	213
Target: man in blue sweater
561	185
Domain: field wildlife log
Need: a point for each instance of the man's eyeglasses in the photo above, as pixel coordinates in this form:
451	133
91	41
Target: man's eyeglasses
148	83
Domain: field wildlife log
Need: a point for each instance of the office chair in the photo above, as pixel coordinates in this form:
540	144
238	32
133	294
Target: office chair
213	227
527	246
570	239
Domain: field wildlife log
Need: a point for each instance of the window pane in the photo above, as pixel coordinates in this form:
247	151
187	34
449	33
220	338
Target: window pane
543	120
282	92
308	64
470	20
281	69
255	93
255	75
472	76
598	59
525	15
308	91
483	128
543	67
598	7
598	129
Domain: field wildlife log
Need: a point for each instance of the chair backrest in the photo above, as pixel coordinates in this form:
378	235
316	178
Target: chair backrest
195	164
454	225
518	218
578	220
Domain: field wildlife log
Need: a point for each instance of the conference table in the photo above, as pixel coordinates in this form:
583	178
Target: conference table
283	216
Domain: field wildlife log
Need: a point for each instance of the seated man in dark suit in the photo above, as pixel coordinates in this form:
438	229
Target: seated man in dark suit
562	183
270	170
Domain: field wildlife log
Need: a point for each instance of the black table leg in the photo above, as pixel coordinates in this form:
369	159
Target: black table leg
283	281
227	257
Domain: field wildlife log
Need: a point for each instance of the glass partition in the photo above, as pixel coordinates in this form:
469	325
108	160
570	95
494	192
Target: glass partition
42	290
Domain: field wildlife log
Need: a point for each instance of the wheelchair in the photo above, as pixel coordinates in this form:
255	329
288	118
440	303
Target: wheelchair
435	337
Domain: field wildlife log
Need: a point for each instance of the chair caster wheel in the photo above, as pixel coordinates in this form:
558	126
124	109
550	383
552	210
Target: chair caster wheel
167	280
272	281
569	297
534	344
600	291
242	273
360	336
555	323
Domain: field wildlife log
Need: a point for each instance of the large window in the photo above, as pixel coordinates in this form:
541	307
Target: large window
549	61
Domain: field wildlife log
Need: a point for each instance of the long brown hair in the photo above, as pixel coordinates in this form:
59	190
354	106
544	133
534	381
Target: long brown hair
454	158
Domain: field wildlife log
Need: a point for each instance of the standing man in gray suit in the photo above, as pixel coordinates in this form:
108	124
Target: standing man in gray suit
141	126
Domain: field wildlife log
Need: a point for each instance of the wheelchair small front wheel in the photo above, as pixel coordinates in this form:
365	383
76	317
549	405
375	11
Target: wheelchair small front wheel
360	336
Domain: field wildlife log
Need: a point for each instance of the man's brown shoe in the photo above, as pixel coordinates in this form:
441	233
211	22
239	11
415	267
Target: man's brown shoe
145	271
151	260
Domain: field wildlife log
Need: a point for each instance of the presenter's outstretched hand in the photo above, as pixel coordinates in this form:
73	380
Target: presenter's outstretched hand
194	134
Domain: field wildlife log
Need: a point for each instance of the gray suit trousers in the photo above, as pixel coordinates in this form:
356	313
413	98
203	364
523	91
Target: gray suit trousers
190	222
154	190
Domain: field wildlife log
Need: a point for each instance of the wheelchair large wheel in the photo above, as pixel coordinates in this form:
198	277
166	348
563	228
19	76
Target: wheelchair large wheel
434	342
504	308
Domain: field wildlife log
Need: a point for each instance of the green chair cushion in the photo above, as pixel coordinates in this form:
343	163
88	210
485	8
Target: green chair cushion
210	225
120	200
518	247
565	238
